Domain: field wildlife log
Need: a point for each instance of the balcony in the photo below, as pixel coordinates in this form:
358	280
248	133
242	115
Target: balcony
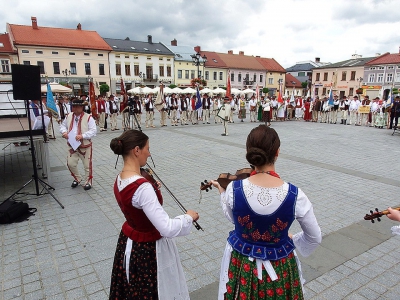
248	82
151	77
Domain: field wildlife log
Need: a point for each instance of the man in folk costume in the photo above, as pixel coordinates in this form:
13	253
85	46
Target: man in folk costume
82	126
86	109
215	107
334	110
343	110
316	109
173	106
182	108
112	110
46	112
63	109
242	109
163	111
148	103
324	109
299	108
364	118
206	106
253	108
225	113
233	104
289	109
193	109
353	109
374	111
101	111
274	104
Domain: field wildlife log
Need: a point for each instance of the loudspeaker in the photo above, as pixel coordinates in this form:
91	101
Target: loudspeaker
26	82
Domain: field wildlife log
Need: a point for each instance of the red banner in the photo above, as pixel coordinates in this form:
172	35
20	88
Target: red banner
228	86
92	99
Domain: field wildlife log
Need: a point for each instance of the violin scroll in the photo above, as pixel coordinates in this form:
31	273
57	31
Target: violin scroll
374	215
205	186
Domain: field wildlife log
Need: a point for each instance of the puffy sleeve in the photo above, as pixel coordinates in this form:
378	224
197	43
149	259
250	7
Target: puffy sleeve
92	130
227	202
145	198
307	240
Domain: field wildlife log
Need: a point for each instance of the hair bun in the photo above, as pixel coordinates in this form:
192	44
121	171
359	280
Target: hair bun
117	146
256	156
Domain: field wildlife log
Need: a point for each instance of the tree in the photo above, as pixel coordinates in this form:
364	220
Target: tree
172	86
265	90
304	84
104	88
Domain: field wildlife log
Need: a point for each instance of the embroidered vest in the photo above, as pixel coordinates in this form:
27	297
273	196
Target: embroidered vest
62	111
83	126
262	236
147	106
101	106
137	226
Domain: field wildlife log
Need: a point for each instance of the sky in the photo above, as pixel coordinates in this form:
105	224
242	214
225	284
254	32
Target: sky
287	30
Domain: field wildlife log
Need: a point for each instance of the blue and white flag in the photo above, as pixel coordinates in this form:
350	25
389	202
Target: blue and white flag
330	100
51	105
389	100
198	102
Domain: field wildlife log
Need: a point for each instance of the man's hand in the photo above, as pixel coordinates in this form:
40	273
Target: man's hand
65	135
79	137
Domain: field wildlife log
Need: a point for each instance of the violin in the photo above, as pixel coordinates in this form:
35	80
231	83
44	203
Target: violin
225	178
377	214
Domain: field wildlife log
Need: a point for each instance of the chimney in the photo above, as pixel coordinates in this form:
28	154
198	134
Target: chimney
197	49
79	26
34	23
317	59
241	52
378	54
230	51
150	39
174	42
258	56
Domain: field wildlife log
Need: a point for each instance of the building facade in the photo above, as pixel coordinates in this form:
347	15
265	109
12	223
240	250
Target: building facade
8	56
302	70
68	56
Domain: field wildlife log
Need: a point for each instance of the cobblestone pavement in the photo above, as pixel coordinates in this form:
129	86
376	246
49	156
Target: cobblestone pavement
344	170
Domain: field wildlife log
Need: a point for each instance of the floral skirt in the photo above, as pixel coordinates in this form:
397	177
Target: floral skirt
142	271
244	284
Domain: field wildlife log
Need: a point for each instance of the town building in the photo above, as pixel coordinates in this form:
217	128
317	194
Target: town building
293	86
382	74
344	77
139	63
274	75
8	56
68	56
302	70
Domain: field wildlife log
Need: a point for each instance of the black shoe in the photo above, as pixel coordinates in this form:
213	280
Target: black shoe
87	187
74	184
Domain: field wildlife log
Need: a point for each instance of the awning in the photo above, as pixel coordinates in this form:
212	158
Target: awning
77	86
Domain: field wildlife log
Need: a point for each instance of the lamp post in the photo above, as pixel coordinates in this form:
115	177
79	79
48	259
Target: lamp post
66	73
280	85
198	61
359	90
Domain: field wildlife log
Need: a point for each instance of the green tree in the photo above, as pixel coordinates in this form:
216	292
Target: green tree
304	84
265	90
104	88
172	86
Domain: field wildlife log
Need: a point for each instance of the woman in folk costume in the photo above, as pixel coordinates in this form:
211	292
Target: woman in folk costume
281	111
260	109
267	113
259	261
307	110
146	262
242	109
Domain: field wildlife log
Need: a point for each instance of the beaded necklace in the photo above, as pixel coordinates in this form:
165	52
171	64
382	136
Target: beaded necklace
272	173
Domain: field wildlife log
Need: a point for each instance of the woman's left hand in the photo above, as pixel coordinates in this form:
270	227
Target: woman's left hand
158	184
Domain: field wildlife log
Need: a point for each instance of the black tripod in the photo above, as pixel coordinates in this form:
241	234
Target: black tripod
35	176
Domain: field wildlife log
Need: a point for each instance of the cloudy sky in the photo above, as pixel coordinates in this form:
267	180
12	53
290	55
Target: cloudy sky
287	30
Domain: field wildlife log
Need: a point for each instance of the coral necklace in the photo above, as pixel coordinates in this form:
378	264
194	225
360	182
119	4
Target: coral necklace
272	173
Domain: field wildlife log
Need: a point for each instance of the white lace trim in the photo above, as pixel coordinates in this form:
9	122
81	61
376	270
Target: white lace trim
396	230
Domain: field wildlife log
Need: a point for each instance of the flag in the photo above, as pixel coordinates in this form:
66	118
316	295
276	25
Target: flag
228	86
280	99
92	100
124	102
257	93
292	97
198	102
389	100
51	105
159	104
330	100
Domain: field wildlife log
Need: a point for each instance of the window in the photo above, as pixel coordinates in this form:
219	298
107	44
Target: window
207	75
397	79
117	55
27	63
149	72
323	91
54	52
118	69
344	73
87	69
270	80
381	68
136	70
325	76
390	68
371	77
200	74
353	75
389	77
99	54
380	78
316	91
161	71
351	91
317	75
169	71
136	57
301	74
215	75
72	53
186	74
254	78
56	67
128	70
39	52
239	77
179	74
220	76
126	56
232	77
261	78
372	68
25	51
5	66
101	69
192	74
41	65
86	54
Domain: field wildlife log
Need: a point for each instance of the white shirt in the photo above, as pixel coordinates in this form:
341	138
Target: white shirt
86	135
374	107
354	104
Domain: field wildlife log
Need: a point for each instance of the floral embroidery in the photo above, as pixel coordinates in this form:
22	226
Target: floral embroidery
273	233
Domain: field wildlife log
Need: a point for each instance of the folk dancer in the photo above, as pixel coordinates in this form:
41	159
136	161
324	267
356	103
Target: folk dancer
233	104
274	105
316	109
344	110
206	105
324	110
193	110
101	111
112	111
86	109
334	110
266	116
353	110
173	106
82	127
395	112
299	108
307	110
364	117
289	109
49	127
374	111
182	108
253	109
148	102
226	114
242	109
63	109
216	104
163	111
381	115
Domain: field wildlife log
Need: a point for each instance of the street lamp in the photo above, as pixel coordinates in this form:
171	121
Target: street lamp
66	73
280	85
197	62
359	90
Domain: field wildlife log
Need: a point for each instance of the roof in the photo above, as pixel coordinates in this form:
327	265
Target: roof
270	64
239	61
354	62
5	45
301	67
57	37
386	58
182	53
289	78
138	46
214	60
